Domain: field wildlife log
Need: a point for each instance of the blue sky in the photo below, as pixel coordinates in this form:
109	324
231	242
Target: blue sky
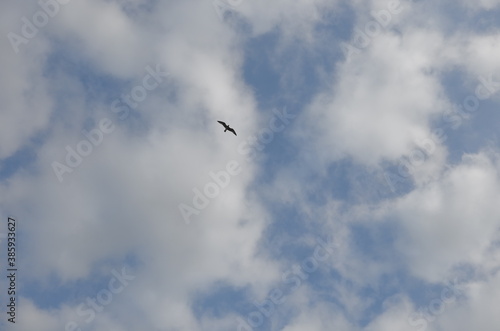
360	194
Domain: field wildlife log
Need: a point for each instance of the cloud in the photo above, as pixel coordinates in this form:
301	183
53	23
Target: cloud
377	110
394	317
482	4
136	215
321	176
450	221
478	311
26	102
318	316
296	20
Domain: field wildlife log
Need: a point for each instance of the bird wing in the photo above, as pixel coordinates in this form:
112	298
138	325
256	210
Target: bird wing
224	124
232	130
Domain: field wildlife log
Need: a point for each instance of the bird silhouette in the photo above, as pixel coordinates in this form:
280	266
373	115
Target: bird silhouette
227	127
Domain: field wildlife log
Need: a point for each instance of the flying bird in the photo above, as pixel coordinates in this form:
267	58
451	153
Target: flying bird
227	127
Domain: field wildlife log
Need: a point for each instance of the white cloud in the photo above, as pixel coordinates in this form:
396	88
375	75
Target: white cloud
33	318
377	109
394	317
26	104
317	317
452	220
122	201
296	20
112	41
480	309
479	56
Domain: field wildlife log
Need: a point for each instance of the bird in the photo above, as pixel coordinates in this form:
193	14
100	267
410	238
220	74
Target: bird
227	127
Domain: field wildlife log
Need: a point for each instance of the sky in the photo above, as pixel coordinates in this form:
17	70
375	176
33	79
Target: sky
360	192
